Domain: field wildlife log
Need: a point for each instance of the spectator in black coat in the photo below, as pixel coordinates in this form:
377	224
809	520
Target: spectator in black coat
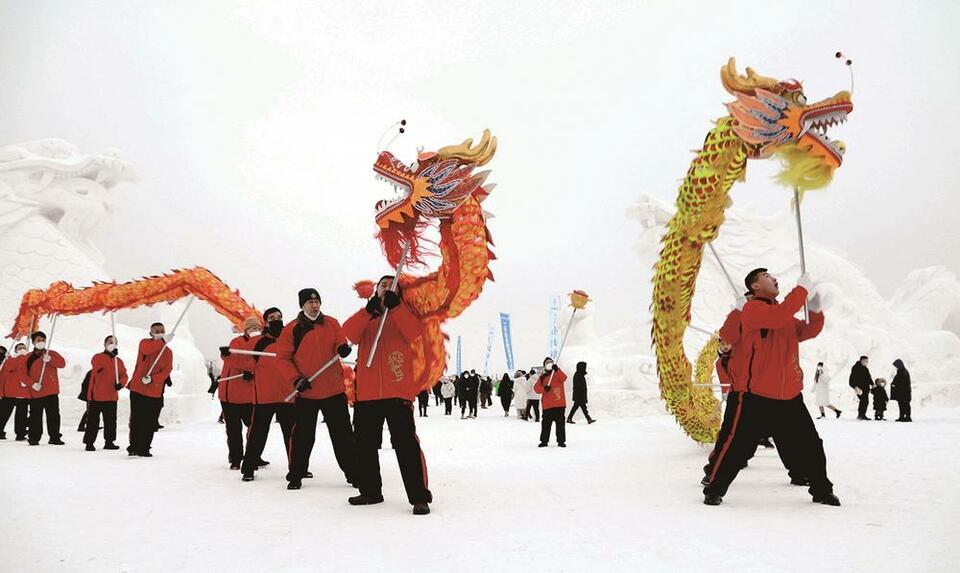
486	389
879	399
580	393
862	383
900	391
505	392
438	393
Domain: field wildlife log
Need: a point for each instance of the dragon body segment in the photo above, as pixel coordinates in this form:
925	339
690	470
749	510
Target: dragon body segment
768	118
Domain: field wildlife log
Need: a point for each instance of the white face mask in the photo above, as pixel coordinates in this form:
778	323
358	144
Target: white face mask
157	336
20	352
41	345
111	347
253	333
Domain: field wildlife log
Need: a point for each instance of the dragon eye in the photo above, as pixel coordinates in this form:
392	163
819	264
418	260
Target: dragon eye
801	99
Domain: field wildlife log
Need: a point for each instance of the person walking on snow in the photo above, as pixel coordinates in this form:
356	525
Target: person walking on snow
879	399
580	393
16	393
551	385
448	390
237	395
862	383
46	400
146	390
900	391
520	389
821	390
423	399
505	393
108	374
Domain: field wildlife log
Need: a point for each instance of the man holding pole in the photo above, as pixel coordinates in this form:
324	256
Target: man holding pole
307	354
42	366
152	371
108	374
551	386
16	393
236	389
384	331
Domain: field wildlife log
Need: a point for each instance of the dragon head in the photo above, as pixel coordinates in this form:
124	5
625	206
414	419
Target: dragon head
432	187
774	117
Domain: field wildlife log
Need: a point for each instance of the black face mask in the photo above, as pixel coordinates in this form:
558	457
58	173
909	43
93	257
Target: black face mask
275	327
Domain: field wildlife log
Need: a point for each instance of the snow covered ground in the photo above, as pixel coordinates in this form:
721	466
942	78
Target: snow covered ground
624	496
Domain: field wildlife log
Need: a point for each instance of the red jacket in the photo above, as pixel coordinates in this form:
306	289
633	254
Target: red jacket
103	377
556	396
146	354
238	390
723	373
736	364
391	374
318	343
771	337
13	378
270	387
51	378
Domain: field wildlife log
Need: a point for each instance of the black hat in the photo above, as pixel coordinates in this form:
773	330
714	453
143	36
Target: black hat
308	294
273	309
752	278
36	335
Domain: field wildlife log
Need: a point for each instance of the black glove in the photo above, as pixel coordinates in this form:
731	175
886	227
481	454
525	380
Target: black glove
391	299
344	350
117	386
114	352
373	306
301	385
213	386
247	375
168	382
224	351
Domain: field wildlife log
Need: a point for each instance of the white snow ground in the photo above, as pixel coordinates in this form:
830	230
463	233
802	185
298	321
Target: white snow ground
624	496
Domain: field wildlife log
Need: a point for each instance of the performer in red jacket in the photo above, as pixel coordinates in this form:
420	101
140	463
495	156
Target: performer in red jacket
772	402
108	374
385	392
270	390
305	346
236	396
15	392
146	389
44	394
554	402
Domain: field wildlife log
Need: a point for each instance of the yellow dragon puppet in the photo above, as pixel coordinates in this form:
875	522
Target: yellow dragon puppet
768	118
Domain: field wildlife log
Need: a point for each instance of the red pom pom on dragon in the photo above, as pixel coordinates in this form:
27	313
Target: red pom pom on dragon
440	188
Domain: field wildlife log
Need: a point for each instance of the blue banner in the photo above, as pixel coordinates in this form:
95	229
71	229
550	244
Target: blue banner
554	325
459	365
486	355
507	341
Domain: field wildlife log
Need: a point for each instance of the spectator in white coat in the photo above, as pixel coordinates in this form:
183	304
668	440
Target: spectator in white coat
821	389
533	399
520	388
448	390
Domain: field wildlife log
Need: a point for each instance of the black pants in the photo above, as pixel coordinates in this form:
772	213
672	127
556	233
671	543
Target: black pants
109	412
7	407
437	398
336	415
235	418
790	424
472	402
579	405
535	404
485	400
463	406
878	413
862	406
904	407
729	411
38	406
448	405
505	402
82	426
398	414
144	414
422	403
554	416
259	430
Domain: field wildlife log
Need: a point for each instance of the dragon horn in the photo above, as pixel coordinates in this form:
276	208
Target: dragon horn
735	83
481	154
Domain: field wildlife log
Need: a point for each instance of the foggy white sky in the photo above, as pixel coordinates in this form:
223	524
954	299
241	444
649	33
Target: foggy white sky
254	127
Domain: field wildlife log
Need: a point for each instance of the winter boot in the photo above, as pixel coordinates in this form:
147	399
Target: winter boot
712	499
247	477
294	484
90	448
55	441
838	413
365	500
111	446
421	508
827	499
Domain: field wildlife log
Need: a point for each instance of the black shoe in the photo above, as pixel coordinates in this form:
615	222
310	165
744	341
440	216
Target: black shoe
705	481
21	439
81	429
712	499
421	508
827	499
55	442
159	427
247	477
908	419
571	422
3	436
800	481
542	445
294	484
838	413
145	454
365	500
262	463
131	453
33	443
90	448
591	420
562	445
110	446
235	466
308	475
821	416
